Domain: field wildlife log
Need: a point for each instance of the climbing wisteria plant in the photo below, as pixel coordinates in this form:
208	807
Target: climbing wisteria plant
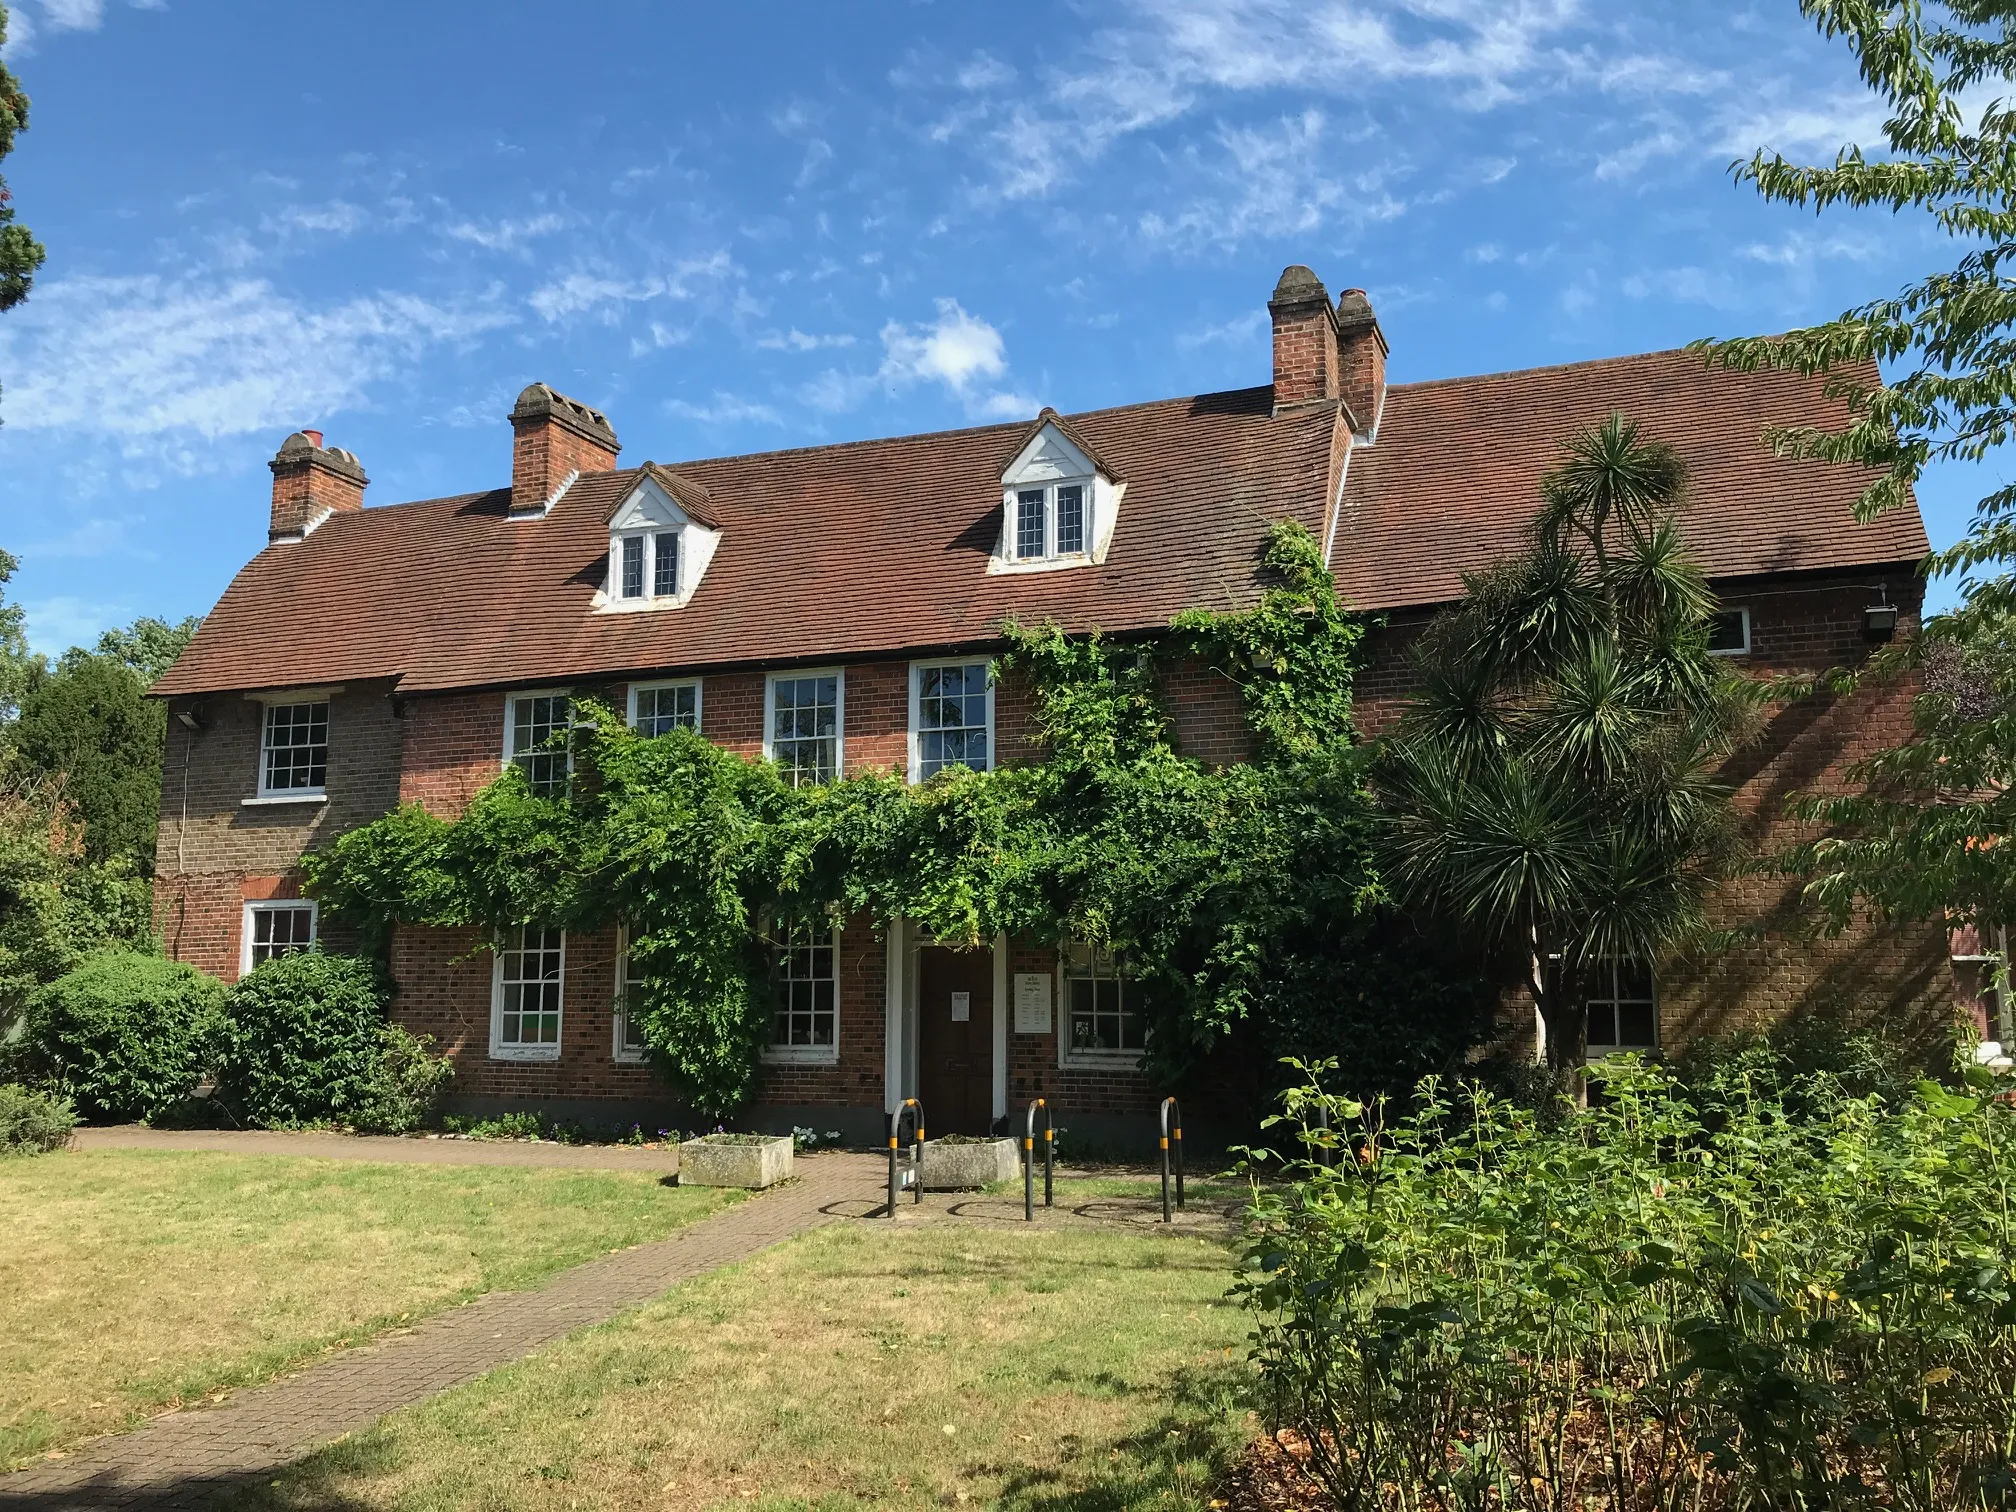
1200	878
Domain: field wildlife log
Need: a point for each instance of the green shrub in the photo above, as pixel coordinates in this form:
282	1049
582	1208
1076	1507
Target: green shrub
33	1122
308	1043
1645	1307
124	1035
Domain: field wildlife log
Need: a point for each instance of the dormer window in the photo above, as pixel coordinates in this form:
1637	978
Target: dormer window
648	564
662	537
1059	502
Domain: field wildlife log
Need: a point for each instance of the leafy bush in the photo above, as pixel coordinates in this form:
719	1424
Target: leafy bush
1639	1308
124	1035
308	1043
33	1122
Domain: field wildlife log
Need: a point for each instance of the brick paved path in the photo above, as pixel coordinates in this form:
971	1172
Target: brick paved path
180	1459
485	1152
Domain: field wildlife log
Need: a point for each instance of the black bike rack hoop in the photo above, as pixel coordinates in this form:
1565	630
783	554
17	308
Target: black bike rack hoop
1171	1131
913	1110
1029	1158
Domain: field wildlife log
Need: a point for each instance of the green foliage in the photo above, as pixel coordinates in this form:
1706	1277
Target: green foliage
127	1036
1205	882
20	668
91	723
307	1042
1554	782
1920	839
33	1123
55	909
1642	1308
20	253
148	646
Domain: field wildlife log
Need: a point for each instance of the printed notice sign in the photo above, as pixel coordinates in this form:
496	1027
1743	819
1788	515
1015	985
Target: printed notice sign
962	1007
1032	1002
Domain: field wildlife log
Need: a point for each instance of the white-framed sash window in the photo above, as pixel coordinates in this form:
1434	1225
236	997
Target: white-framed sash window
629	1047
1623	1008
527	991
536	739
951	717
805	1019
803	722
294	750
1101	1019
657	708
1729	633
276	927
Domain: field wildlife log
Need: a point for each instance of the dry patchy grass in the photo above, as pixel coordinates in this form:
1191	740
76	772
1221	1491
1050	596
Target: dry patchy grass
856	1366
133	1280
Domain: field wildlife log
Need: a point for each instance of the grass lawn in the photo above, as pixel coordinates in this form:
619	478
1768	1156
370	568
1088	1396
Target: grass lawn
854	1366
131	1280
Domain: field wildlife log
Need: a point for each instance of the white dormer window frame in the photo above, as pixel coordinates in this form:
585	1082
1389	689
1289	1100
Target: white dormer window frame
657	553
1058	510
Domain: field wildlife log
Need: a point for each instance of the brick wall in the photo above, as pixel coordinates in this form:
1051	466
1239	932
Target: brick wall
1899	973
1209	714
443	979
454	748
214	850
1033	1071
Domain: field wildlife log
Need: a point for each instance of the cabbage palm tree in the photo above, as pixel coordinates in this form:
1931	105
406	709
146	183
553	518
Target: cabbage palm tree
1552	785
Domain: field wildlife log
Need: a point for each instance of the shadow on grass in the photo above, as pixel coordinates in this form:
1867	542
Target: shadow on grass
1174	1461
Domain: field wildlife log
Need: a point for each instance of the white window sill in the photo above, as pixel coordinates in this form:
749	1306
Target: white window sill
1604	1052
1101	1060
629	1058
269	799
822	1055
1011	566
514	1053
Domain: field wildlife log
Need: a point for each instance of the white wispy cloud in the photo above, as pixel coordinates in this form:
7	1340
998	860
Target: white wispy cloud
1272	180
795	340
606	293
505	235
724	409
145	357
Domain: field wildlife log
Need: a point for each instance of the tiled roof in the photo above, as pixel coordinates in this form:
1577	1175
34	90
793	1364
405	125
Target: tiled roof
1453	479
827	552
881	547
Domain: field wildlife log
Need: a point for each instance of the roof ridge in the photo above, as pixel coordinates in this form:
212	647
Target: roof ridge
1546	367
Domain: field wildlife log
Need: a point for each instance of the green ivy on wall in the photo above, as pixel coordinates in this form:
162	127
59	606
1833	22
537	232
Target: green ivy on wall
1202	880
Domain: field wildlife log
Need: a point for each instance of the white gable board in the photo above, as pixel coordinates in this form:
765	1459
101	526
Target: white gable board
1048	456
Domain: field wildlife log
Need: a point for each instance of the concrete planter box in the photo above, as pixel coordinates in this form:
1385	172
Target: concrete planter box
712	1161
949	1167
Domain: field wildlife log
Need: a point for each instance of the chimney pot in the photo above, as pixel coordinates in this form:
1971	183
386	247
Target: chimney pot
554	438
310	484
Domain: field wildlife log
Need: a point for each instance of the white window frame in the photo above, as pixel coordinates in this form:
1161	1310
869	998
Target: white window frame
254	906
917	671
652	687
808	1055
619	1006
1744	649
501	1051
272	794
1011	504
649	535
510	713
1068	1057
839	676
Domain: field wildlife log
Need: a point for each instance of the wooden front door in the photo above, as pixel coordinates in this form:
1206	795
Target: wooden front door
955	1040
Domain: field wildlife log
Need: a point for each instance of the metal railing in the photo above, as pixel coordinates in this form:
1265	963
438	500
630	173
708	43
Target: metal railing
1171	1132
912	1109
1029	1158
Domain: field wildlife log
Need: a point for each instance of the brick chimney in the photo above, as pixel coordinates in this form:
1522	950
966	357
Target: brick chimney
1361	358
1305	341
310	483
553	440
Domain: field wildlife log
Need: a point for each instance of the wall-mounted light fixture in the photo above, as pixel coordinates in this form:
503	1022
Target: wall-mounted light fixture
190	719
1879	620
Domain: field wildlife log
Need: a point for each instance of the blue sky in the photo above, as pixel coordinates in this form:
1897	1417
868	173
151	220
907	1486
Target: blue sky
737	227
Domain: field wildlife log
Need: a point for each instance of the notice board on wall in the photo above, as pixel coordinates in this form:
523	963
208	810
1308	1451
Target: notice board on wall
1032	1002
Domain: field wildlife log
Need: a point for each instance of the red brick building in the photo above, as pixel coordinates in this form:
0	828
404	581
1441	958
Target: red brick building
835	607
